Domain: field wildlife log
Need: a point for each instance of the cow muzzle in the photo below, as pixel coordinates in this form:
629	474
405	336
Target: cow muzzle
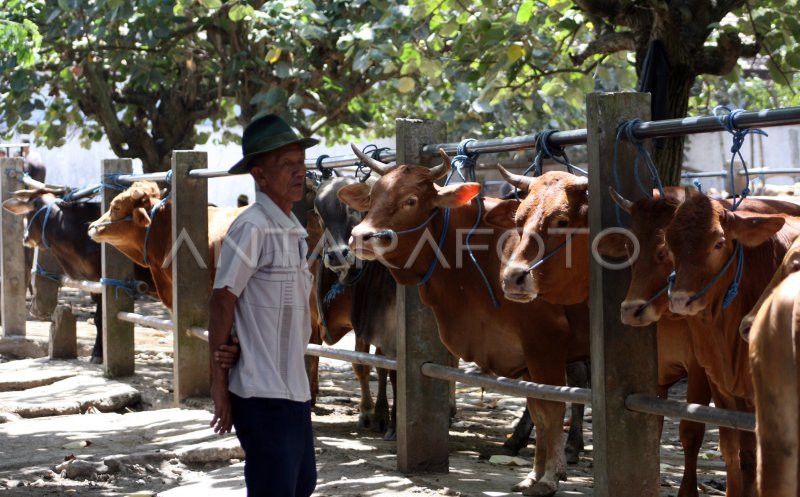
518	284
637	313
684	303
339	258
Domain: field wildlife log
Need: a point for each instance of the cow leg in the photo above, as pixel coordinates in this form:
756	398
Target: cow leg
747	461
549	463
729	446
381	418
97	351
691	433
391	433
521	435
312	365
577	376
366	406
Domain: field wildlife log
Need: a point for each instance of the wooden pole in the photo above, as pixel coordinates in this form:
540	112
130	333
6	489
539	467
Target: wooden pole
12	301
626	444
118	348
190	260
422	413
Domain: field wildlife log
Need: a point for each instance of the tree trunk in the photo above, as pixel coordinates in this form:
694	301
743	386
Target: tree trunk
669	151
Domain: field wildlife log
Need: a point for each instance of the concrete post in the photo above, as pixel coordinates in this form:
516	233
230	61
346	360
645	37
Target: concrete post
190	260
12	301
118	348
63	334
422	432
45	290
626	444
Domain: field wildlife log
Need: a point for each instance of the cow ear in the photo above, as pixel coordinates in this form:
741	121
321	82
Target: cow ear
140	217
452	196
502	214
614	245
17	206
356	196
754	230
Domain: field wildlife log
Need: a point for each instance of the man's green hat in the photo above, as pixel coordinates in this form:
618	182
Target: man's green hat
265	134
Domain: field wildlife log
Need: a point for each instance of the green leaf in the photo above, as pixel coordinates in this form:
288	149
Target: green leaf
525	12
210	4
240	11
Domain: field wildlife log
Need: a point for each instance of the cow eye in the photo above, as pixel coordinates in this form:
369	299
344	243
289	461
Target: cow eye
661	255
719	244
410	201
563	223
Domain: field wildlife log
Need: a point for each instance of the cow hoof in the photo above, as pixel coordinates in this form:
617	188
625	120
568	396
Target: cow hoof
573	455
363	422
541	489
525	484
96	359
390	435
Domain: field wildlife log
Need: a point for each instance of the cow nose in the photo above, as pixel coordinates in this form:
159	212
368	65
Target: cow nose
679	302
518	283
632	312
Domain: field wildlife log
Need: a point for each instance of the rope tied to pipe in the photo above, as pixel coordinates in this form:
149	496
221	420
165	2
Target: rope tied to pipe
40	271
130	287
726	116
626	130
544	150
465	162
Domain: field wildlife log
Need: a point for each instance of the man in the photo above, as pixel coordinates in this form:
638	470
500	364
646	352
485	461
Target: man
262	290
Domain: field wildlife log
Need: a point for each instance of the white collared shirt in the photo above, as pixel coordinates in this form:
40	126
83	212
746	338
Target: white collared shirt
263	263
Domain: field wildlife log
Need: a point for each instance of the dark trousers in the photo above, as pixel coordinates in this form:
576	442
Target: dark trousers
278	446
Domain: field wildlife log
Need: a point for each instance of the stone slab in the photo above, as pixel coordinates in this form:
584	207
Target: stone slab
38	444
31	373
72	395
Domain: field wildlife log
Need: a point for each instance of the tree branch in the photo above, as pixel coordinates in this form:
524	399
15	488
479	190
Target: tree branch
722	58
606	45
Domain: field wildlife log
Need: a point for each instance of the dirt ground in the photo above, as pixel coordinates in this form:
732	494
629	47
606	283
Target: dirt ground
350	462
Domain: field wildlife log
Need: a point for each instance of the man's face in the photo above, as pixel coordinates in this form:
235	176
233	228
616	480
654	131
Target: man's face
281	174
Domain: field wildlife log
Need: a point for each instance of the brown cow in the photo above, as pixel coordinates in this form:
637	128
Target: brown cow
774	345
559	200
704	240
501	340
790	264
128	219
647	302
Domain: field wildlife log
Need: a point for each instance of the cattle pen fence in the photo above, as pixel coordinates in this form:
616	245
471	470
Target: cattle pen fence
623	358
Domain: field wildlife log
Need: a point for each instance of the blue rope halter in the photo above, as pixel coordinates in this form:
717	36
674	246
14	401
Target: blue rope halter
47	209
733	288
152	217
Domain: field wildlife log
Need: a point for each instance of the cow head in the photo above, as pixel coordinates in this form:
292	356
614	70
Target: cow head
337	220
128	215
403	198
650	270
701	239
33	204
553	219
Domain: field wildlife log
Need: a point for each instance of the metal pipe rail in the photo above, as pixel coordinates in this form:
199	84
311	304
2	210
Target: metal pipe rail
767	171
148	321
509	386
705	174
327	163
650	129
86	286
377	361
650	404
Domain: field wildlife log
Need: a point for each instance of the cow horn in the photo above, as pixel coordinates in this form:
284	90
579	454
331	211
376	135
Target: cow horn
621	201
439	171
137	193
376	165
518	180
38	185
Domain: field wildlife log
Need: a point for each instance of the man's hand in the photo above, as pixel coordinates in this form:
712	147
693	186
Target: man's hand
227	354
223	419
